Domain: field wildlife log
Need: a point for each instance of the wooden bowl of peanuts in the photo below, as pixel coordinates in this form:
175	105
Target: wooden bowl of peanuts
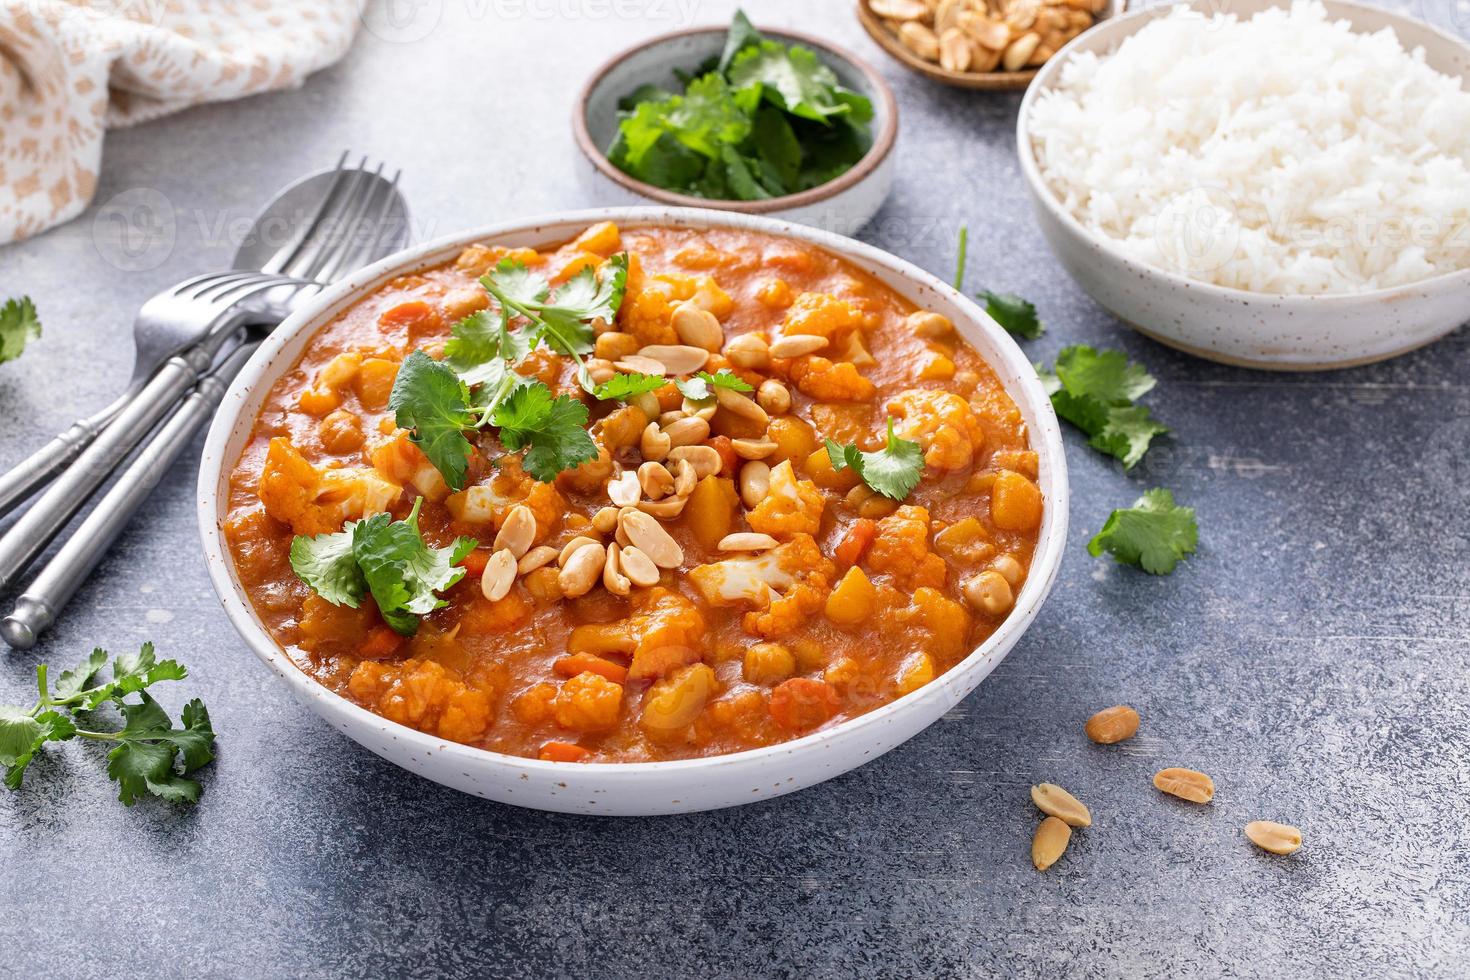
980	44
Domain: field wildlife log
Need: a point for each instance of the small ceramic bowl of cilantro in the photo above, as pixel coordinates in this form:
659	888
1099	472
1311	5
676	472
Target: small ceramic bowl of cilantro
757	121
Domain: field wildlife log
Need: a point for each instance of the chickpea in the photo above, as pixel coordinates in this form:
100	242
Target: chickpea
340	432
929	325
768	664
989	593
1009	569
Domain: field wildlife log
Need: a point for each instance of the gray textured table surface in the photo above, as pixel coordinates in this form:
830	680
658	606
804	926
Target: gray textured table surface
1311	657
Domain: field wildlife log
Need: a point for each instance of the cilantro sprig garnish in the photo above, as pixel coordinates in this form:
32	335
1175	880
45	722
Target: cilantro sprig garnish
552	430
893	471
385	558
1015	314
18	327
1095	391
626	387
701	387
764	120
149	755
1155	534
440	402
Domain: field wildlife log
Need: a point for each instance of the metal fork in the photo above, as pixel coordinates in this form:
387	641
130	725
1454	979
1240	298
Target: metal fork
359	205
356	201
211	300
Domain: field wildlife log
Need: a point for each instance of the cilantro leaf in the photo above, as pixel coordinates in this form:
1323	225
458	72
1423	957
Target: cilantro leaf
401	571
777	147
1106	375
551	429
893	471
72	683
1094	391
429	399
326	563
144	759
564	322
1154	534
625	387
18	327
481	349
701	387
385	557
1016	315
1126	433
742	35
796	80
133	672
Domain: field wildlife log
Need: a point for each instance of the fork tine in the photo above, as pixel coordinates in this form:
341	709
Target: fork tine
200	280
319	248
366	231
218	283
339	238
284	259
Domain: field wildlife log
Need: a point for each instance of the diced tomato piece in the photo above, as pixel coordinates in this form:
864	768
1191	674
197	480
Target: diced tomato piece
380	644
729	461
855	542
474	563
562	752
803	703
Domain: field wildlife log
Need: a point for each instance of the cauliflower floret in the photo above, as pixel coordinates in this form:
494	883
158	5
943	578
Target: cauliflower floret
786	585
823	315
946	622
665	631
901	550
422	694
829	381
647	313
942	423
791	507
312	501
588	702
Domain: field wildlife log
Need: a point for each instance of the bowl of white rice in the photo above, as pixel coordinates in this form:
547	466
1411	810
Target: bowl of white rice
1284	186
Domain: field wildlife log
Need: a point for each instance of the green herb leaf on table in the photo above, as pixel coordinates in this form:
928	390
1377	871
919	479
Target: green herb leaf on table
1094	390
149	754
701	387
959	263
625	387
433	403
552	430
1016	315
18	327
893	471
386	558
1154	534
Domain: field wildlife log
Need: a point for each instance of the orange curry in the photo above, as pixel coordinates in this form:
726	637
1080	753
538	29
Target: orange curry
772	595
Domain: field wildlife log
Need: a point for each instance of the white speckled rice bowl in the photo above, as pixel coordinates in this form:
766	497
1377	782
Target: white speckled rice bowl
1239	232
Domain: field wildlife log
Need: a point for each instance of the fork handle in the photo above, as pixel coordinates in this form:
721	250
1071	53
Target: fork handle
49	593
31	473
30	534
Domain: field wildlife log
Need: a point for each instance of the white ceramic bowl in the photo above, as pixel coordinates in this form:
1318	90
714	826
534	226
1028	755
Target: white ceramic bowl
842	206
1261	330
654	787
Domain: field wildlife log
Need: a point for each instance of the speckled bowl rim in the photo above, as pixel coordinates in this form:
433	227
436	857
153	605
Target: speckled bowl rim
268	365
883	140
1114	30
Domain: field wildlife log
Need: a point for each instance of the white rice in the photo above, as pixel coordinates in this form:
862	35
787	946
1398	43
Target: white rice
1280	154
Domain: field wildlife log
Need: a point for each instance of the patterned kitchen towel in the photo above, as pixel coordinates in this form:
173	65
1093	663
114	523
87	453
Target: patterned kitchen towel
71	68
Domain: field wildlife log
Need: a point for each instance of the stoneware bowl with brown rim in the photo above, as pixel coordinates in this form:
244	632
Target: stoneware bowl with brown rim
989	81
1260	330
841	206
638	788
